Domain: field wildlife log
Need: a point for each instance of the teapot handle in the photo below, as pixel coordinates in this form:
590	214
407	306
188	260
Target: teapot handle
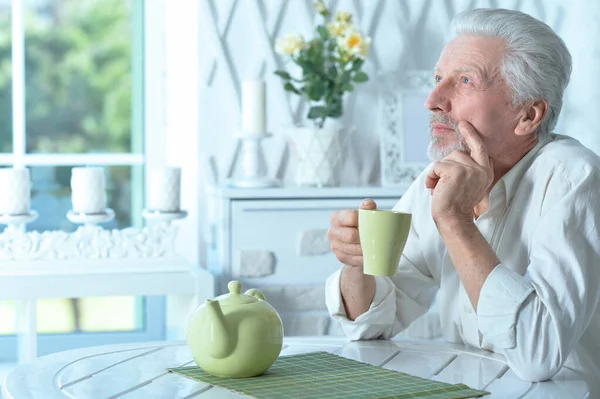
256	293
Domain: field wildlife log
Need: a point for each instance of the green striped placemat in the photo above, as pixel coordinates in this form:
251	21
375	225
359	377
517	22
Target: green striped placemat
328	376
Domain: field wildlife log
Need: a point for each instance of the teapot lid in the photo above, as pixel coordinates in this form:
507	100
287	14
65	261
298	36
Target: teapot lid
235	296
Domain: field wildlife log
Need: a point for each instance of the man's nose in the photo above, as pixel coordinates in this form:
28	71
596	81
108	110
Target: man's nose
439	99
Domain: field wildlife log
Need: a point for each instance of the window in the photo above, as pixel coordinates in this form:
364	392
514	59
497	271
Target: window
71	94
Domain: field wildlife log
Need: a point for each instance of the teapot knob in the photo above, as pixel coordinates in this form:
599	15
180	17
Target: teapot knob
234	287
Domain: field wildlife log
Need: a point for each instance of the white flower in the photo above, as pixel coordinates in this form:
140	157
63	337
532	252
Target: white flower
353	42
321	8
290	44
338	28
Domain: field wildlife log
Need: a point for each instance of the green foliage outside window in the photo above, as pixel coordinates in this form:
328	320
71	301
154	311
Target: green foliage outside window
77	77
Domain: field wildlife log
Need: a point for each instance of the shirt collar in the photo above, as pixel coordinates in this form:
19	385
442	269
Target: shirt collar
510	181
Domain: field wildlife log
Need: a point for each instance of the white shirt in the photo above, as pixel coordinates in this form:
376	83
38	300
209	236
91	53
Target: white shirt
539	306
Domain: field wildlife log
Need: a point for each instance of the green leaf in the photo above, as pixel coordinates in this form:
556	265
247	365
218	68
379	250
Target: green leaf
332	72
357	64
346	77
312	67
315	50
347	87
334	110
315	90
323	32
283	74
360	77
317	112
290	87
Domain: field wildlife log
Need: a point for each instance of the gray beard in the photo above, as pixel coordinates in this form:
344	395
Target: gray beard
436	152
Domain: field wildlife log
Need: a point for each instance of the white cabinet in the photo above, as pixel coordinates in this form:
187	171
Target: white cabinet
276	240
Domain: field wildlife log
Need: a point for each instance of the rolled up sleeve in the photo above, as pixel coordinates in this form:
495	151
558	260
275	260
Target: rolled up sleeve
537	319
500	300
377	322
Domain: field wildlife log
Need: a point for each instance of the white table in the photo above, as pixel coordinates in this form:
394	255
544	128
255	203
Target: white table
138	370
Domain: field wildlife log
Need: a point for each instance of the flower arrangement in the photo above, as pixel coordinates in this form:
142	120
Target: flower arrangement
331	63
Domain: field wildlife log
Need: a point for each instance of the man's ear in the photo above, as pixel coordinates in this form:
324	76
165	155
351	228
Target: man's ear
531	117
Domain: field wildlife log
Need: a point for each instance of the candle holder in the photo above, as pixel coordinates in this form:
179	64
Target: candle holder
162	216
18	219
253	165
91	218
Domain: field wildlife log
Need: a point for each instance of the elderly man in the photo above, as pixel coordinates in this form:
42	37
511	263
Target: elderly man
506	220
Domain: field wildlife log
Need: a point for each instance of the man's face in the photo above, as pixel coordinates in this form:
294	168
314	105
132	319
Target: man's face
469	87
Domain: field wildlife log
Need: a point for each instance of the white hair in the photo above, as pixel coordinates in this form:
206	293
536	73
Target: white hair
536	63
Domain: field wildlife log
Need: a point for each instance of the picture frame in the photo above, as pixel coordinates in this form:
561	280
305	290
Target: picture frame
403	124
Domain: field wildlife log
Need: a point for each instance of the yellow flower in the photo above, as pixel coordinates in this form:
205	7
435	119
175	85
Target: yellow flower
355	43
343	16
290	44
338	28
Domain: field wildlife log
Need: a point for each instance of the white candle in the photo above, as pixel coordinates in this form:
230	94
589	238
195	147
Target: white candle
15	189
253	107
163	190
88	187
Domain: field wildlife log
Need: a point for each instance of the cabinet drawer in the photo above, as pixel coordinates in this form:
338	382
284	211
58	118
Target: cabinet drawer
292	234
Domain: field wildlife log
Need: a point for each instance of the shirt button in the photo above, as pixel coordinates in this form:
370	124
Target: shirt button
467	309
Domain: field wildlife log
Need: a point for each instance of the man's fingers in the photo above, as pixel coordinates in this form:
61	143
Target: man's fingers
350	260
431	182
478	149
348	249
437	171
368	203
349	217
432	177
459	156
348	235
346	217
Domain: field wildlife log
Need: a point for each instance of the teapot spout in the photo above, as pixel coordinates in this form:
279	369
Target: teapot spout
220	343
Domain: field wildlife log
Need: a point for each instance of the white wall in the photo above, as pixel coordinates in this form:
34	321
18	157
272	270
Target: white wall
235	39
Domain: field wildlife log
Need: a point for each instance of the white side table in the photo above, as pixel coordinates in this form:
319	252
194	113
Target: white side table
27	282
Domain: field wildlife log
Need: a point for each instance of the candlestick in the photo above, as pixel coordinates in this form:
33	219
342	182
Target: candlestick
164	188
88	190
253	171
253	107
91	219
15	186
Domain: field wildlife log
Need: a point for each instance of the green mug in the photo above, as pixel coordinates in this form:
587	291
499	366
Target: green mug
383	235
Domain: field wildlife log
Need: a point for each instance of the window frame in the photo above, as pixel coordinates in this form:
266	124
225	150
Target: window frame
147	66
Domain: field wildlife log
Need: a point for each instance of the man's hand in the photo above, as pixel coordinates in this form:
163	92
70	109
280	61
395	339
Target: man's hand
357	288
343	235
460	181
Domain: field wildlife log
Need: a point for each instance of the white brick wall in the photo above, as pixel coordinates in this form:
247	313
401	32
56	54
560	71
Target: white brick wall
295	298
256	263
305	323
301	308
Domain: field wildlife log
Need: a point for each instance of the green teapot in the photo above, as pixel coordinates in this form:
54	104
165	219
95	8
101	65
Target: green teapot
235	335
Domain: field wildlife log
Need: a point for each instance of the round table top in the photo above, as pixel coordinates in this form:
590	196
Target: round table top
139	370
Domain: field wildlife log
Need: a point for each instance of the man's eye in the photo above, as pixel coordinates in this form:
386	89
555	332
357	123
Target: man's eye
466	80
437	78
